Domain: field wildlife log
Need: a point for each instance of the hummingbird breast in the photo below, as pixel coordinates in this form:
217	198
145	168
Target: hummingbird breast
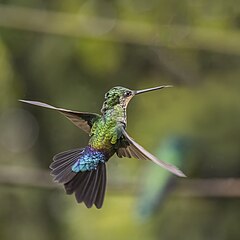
105	131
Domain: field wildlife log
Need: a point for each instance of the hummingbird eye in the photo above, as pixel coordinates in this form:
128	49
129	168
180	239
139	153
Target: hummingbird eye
127	94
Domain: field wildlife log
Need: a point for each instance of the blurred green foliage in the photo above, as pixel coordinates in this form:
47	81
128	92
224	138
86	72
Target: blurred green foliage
204	106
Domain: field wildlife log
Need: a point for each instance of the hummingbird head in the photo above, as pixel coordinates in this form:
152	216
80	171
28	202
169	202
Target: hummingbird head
121	95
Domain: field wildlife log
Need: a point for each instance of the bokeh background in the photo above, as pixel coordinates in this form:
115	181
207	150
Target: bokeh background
68	54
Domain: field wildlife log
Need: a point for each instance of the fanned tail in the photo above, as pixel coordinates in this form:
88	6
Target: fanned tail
88	186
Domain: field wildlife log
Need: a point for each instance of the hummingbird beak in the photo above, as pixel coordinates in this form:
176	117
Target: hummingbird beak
151	89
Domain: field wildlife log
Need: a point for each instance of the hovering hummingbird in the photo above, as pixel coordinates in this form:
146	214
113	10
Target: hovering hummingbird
83	170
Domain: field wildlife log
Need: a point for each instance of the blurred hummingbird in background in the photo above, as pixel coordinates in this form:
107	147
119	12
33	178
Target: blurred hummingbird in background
156	187
83	170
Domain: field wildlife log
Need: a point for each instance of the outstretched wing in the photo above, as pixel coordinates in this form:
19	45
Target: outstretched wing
129	148
83	120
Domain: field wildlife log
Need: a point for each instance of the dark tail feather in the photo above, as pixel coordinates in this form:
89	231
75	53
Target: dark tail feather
102	188
62	165
89	186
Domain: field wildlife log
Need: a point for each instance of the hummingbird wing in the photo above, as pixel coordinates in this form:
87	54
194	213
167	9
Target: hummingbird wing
129	148
83	120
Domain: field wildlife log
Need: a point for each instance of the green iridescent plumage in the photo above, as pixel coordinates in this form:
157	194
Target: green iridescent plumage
106	130
83	171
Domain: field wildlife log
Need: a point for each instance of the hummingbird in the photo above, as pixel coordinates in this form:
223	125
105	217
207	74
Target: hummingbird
155	187
82	171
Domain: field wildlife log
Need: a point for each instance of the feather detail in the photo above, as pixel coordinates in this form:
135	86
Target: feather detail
133	149
88	186
83	120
